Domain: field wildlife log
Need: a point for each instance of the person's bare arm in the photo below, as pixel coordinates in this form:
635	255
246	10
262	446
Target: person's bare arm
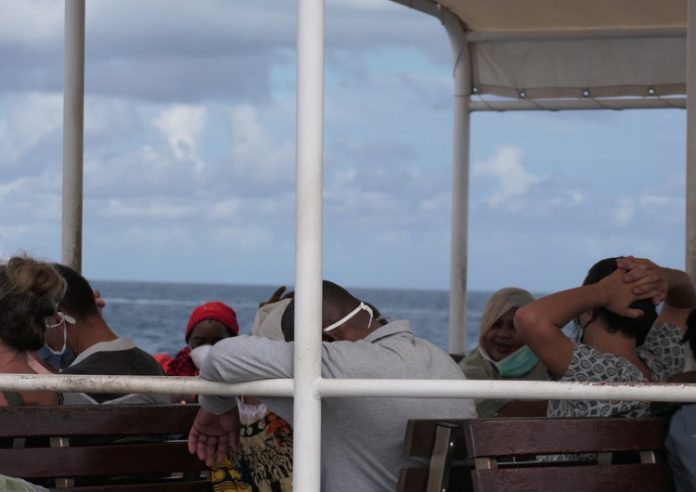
211	435
539	323
674	287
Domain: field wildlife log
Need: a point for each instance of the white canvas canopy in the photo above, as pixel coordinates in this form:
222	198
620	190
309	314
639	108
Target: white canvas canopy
561	54
575	48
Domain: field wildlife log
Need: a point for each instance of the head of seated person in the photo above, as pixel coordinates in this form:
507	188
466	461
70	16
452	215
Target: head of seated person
593	325
344	316
209	323
30	291
501	353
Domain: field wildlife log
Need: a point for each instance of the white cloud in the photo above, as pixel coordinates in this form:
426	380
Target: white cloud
513	180
182	126
254	152
29	120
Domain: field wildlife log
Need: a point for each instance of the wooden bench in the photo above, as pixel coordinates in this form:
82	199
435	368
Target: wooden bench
500	454
123	448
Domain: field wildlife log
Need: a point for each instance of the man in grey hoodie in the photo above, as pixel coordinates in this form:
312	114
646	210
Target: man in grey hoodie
362	438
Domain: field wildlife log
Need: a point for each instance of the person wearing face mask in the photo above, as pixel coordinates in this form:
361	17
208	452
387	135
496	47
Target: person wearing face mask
362	448
29	293
98	349
502	354
208	324
59	359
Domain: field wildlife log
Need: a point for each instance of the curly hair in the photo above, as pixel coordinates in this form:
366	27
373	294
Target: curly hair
29	292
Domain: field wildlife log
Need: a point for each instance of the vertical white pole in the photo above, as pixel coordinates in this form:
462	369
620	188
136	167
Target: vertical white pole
460	187
309	200
73	111
691	140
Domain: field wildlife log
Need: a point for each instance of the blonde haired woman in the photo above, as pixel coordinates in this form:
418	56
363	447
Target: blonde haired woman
30	291
501	353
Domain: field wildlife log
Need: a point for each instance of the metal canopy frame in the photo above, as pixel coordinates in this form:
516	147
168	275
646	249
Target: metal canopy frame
460	40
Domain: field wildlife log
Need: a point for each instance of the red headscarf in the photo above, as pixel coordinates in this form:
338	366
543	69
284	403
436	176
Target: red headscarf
217	311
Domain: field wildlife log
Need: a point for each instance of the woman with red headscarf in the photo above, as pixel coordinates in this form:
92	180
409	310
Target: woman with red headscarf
209	323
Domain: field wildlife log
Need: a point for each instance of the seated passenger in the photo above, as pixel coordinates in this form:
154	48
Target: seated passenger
208	324
501	354
97	349
30	291
362	447
614	308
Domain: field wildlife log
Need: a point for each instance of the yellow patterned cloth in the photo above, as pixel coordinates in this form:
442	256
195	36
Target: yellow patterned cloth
265	461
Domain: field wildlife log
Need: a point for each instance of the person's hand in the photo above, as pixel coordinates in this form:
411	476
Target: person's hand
618	295
647	279
279	294
211	435
99	300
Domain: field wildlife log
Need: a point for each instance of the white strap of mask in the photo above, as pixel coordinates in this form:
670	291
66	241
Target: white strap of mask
361	306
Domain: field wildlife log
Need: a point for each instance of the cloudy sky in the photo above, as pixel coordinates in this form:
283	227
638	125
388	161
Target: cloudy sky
190	147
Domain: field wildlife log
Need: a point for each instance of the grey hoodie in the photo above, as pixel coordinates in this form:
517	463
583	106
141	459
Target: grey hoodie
362	438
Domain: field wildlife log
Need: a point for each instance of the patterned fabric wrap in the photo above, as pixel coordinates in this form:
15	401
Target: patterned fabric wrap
265	461
662	352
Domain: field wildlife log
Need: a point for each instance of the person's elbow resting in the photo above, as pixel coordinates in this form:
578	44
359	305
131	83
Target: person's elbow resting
526	318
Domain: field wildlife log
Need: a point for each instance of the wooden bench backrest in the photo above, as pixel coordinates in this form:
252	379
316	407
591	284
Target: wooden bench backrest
476	444
157	435
496	438
505	437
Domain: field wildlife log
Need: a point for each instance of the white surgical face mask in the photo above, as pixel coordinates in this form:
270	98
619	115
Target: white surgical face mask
361	306
63	319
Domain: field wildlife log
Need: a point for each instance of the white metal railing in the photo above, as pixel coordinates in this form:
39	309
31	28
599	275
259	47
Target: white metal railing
332	388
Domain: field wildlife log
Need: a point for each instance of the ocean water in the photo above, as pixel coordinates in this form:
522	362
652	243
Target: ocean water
155	314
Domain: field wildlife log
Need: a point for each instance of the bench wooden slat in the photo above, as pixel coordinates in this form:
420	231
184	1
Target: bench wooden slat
501	437
491	444
95	420
128	459
420	437
149	487
111	448
616	478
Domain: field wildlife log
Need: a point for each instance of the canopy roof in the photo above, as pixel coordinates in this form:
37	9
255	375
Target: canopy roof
575	48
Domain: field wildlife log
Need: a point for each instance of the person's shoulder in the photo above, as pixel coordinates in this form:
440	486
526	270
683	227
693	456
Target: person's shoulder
589	364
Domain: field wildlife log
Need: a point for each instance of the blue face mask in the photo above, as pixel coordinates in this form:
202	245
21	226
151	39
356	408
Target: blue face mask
59	360
518	363
62	358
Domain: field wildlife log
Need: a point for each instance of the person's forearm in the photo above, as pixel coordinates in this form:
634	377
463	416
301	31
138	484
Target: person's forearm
559	308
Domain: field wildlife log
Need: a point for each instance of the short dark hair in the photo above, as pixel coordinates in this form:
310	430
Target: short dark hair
29	291
636	328
79	296
336	301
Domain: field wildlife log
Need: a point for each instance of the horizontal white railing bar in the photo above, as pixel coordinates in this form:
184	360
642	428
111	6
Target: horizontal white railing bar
575	34
520	390
65	383
616	103
332	388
